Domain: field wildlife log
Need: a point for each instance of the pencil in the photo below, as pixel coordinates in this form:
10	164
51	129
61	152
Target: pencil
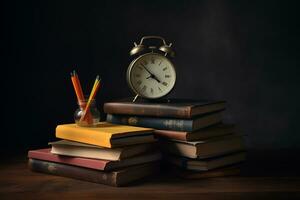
79	94
74	82
91	97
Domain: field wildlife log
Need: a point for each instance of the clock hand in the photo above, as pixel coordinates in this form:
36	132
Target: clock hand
151	74
147	69
154	77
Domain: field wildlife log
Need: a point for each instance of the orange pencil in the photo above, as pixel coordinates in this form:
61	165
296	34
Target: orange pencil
79	94
75	87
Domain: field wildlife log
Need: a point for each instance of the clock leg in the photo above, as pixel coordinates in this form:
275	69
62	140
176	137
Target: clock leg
134	99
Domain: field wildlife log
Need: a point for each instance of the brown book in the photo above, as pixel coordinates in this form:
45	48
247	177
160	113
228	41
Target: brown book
208	163
115	178
77	149
220	172
201	134
176	108
205	148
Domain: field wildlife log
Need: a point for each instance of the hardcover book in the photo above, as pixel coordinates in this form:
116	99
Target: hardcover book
208	163
187	125
105	134
114	178
201	134
220	172
77	149
175	108
205	148
105	165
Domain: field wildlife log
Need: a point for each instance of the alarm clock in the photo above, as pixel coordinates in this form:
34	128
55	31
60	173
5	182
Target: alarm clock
151	75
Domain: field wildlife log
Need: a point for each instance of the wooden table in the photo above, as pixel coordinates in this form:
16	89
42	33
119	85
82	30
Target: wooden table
266	175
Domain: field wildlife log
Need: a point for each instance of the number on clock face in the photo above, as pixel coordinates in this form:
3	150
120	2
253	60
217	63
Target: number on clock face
152	75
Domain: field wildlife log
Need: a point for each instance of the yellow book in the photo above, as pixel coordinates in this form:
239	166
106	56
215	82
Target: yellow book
105	134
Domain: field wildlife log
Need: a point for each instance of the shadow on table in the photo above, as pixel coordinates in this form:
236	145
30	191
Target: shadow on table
275	163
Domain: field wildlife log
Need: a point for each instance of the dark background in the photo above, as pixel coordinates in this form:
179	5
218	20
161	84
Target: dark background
245	52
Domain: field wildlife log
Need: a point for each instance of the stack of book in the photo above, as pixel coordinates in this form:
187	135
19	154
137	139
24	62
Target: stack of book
195	141
109	154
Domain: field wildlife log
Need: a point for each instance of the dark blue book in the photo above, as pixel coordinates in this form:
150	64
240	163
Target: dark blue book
167	123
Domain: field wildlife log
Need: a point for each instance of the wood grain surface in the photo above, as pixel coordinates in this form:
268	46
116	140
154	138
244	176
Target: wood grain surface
260	179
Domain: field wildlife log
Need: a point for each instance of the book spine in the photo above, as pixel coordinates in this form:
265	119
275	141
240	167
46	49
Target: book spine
69	171
147	110
177	135
149	122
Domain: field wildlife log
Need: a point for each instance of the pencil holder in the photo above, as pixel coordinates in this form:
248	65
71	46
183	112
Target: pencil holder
89	116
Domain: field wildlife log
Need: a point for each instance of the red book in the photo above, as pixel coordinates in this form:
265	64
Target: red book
106	165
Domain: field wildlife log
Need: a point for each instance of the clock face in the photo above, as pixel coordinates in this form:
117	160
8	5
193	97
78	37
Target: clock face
151	75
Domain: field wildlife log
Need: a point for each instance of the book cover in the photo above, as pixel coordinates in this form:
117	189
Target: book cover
97	164
77	149
188	125
220	172
207	163
120	177
105	134
175	108
205	148
201	134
